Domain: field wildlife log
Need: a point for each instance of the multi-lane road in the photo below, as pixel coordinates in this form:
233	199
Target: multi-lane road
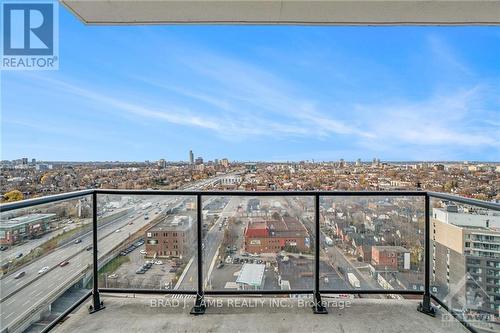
20	298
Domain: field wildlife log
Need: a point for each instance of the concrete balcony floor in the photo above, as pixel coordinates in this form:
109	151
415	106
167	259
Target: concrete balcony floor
166	314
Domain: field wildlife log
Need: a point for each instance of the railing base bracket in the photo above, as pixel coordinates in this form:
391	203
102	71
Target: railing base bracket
93	310
318	307
197	310
199	306
427	309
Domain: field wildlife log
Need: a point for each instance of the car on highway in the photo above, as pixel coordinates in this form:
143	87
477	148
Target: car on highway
43	269
64	263
19	255
113	276
140	271
3	248
117	230
88	248
19	275
78	241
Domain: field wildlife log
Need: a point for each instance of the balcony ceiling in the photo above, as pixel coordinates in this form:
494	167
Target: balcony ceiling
355	12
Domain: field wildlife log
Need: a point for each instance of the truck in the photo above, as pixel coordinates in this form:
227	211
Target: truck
353	280
328	241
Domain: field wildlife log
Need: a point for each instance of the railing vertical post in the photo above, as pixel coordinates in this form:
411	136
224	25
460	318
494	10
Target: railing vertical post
199	306
318	307
425	306
96	302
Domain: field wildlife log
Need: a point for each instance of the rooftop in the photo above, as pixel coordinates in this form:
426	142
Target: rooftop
251	274
23	220
173	223
159	313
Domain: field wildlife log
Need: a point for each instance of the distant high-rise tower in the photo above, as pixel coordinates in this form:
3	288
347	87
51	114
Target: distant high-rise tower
162	164
191	157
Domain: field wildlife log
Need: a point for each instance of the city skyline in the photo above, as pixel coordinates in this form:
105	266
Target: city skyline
259	94
218	159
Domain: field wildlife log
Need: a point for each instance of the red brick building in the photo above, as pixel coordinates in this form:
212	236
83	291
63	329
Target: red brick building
174	236
391	257
276	234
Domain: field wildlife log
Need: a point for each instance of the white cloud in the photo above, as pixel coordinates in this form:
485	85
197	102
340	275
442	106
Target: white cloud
444	121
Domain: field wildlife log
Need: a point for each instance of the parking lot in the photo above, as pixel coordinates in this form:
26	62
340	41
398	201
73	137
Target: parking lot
141	272
299	272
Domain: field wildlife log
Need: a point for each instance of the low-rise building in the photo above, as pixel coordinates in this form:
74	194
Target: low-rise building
276	234
392	257
174	236
251	277
24	227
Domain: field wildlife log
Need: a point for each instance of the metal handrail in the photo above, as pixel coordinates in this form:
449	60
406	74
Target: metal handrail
260	193
468	201
5	207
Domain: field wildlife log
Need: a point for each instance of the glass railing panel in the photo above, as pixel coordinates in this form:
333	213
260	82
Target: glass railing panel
372	243
253	243
465	261
44	265
147	242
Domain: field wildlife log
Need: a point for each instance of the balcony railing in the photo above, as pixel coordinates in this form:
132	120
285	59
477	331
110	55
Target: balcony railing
304	237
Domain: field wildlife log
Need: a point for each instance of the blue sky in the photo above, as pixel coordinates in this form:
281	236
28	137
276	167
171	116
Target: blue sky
273	93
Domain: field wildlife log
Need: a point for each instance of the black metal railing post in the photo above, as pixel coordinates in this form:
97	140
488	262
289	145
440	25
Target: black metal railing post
318	307
199	305
425	306
96	302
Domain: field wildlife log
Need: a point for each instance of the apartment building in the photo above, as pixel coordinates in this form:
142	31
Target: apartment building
466	257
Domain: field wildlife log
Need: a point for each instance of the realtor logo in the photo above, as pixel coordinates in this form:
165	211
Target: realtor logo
29	33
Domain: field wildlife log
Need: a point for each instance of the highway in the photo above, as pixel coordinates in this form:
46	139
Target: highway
32	290
10	284
28	292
